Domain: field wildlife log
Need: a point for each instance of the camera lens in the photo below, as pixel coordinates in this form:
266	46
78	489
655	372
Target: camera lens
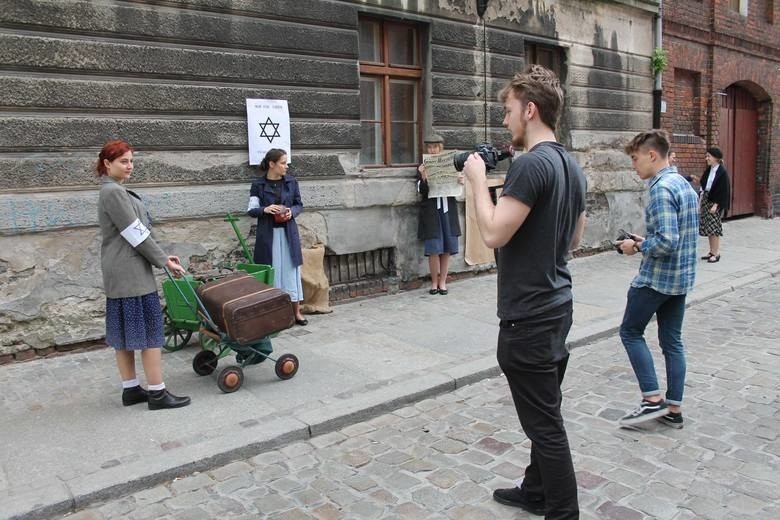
459	160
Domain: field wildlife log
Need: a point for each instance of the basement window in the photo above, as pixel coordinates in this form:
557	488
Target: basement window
365	265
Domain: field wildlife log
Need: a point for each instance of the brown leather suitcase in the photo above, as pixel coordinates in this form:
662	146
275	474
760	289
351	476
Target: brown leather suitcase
245	309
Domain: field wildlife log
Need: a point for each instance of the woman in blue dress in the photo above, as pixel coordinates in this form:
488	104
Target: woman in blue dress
275	200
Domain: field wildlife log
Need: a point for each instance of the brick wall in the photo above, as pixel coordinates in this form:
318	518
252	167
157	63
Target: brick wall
687	109
710	48
685	90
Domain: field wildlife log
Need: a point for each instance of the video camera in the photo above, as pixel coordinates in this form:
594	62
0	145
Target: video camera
489	153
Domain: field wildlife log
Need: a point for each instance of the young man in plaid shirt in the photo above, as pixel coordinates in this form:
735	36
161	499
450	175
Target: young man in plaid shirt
666	274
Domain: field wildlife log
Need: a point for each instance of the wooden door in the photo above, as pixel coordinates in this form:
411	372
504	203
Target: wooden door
739	143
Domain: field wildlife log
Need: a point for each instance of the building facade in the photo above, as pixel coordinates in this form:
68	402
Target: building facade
364	80
721	88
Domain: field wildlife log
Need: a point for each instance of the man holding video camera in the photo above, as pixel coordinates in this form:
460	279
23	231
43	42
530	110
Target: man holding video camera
666	274
537	220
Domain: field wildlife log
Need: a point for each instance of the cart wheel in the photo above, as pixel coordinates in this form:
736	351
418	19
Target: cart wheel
230	379
286	366
204	362
175	339
208	343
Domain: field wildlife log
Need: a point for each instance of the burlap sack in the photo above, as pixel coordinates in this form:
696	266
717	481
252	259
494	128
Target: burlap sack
476	250
316	287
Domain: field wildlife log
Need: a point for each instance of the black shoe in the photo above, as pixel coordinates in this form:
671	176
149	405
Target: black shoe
302	322
443	291
644	412
674	420
516	497
161	399
134	395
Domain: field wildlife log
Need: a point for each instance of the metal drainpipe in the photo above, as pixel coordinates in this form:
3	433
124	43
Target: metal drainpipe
658	84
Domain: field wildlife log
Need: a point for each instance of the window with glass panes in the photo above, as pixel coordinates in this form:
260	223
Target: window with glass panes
741	6
390	74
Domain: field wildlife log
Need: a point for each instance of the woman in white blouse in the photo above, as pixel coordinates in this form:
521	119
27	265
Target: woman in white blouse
715	202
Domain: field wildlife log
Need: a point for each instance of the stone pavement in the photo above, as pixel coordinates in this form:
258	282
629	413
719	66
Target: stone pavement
442	457
67	441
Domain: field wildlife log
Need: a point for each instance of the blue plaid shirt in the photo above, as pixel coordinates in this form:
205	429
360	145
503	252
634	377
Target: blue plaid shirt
670	247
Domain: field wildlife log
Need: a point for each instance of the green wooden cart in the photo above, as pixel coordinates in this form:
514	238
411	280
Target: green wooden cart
179	315
184	314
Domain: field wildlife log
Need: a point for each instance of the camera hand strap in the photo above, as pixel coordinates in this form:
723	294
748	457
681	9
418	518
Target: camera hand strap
566	184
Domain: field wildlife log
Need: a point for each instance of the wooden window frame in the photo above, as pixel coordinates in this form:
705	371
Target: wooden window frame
386	73
531	56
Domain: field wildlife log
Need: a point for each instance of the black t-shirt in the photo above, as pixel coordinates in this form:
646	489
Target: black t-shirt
532	273
276	187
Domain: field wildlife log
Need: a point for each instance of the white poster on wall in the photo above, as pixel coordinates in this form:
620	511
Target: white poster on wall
268	126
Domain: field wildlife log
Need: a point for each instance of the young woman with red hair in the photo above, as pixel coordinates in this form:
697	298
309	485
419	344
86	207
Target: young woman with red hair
127	254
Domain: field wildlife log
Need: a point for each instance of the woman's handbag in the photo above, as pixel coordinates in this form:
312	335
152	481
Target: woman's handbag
283	216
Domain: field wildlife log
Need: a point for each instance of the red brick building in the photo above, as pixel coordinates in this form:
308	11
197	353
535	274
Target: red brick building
721	88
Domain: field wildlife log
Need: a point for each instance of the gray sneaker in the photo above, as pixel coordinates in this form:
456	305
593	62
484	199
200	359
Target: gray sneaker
674	420
644	412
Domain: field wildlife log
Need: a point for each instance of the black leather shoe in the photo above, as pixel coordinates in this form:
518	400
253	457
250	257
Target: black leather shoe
134	395
161	399
302	322
516	497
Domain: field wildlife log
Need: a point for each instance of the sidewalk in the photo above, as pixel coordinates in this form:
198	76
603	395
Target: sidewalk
67	441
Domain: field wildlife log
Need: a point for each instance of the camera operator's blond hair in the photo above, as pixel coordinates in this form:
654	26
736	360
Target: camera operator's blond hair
540	86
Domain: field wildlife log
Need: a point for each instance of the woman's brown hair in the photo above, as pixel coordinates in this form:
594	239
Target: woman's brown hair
273	155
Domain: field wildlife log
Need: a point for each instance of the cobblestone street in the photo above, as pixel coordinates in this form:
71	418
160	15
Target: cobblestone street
442	457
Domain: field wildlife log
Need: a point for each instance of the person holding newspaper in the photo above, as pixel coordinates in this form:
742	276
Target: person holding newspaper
439	224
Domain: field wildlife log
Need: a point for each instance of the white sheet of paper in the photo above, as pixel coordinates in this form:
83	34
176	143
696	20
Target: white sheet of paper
268	126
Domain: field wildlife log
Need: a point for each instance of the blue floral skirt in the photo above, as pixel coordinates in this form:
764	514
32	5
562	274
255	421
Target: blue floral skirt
134	323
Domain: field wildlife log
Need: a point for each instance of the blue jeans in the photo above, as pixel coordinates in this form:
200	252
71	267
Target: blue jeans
642	303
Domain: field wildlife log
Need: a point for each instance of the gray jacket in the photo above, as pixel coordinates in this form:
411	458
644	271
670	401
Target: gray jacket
129	250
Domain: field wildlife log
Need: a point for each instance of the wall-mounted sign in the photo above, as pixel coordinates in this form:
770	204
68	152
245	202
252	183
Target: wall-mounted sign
268	126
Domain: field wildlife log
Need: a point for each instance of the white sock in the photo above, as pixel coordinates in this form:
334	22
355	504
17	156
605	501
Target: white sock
156	388
130	383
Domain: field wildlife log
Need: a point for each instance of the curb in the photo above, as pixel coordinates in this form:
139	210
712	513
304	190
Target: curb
61	497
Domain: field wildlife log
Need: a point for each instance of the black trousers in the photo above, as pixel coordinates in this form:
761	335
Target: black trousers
533	357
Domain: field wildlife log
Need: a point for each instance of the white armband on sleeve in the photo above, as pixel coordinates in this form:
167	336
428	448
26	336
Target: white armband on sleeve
254	203
136	233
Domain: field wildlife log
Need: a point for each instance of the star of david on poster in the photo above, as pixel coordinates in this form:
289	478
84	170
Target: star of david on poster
268	126
264	130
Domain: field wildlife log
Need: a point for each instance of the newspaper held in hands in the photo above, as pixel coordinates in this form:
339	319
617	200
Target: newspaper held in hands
442	176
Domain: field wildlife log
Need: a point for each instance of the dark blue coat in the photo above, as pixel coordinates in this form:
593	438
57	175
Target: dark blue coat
291	197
